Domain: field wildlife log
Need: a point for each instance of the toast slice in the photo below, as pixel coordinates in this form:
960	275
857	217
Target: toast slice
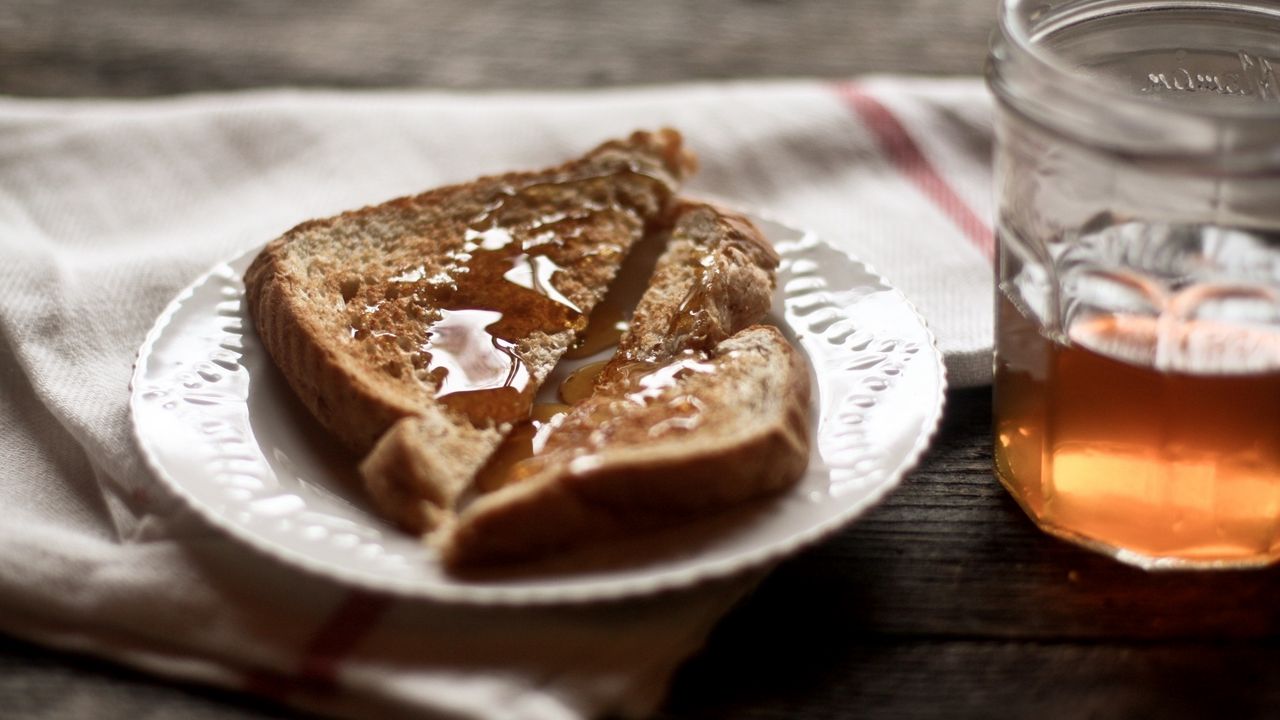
418	330
688	437
715	277
692	414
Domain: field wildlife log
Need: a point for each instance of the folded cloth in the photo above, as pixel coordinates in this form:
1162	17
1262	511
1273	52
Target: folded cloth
107	209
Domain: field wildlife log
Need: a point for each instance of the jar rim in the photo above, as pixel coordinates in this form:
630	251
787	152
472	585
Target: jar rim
1016	25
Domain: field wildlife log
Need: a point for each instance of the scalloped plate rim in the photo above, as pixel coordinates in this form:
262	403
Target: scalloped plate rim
513	596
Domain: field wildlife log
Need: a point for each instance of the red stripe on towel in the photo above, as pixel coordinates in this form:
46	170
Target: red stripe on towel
331	643
339	635
905	154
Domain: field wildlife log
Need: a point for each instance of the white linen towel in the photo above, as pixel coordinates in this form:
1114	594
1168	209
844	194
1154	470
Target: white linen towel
107	209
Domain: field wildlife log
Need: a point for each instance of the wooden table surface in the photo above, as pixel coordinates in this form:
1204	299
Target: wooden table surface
942	602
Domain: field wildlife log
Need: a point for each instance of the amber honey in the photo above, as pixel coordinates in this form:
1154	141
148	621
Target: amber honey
604	329
524	440
527	436
580	383
1173	467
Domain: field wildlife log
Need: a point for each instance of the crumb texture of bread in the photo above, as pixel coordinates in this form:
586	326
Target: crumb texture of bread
715	278
417	330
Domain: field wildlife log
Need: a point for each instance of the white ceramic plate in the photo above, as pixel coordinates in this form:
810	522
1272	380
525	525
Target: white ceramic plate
219	426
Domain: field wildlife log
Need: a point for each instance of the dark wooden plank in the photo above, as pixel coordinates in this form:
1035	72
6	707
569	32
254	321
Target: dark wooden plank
764	675
145	47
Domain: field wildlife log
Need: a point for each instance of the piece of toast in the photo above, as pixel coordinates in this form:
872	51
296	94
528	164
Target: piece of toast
692	414
715	278
418	330
690	437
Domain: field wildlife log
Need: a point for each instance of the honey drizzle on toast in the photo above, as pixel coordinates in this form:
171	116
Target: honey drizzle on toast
604	329
499	288
605	398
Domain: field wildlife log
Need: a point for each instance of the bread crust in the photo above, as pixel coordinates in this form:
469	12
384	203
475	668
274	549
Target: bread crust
338	394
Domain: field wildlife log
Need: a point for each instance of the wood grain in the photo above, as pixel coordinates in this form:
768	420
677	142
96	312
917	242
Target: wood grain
901	678
148	47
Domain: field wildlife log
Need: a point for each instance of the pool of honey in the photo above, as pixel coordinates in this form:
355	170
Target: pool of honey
1170	465
572	382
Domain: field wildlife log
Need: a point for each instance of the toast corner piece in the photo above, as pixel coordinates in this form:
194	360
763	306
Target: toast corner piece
419	467
665	143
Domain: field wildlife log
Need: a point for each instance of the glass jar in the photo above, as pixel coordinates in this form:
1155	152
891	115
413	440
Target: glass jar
1137	366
